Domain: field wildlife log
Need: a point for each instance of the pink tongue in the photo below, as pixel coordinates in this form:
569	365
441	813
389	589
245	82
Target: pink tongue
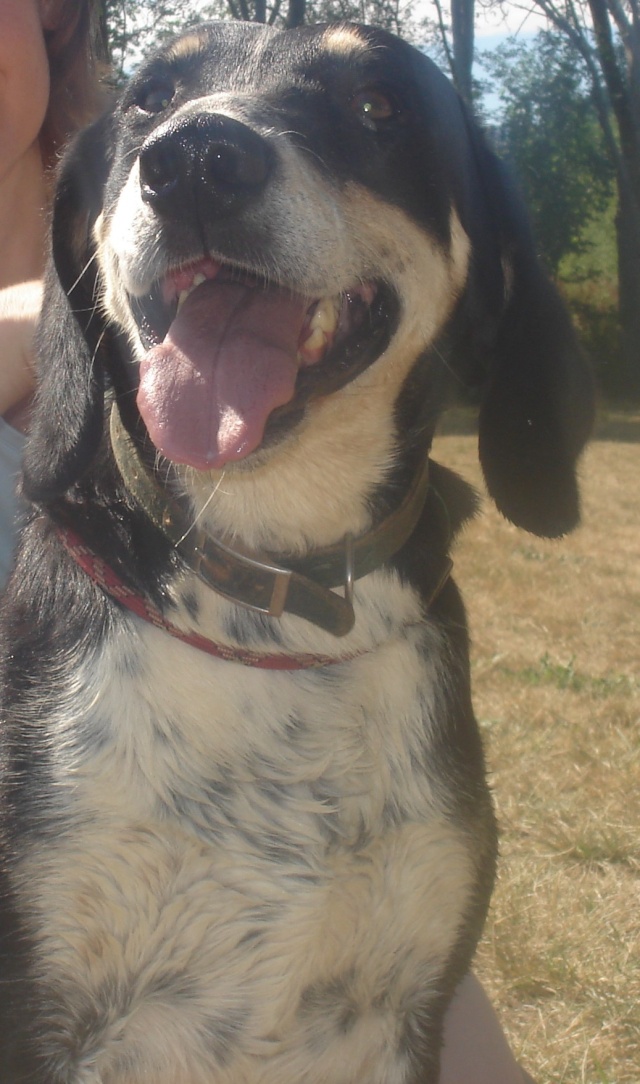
229	358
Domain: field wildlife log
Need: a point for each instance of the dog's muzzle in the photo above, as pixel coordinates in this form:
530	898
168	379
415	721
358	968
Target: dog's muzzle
232	355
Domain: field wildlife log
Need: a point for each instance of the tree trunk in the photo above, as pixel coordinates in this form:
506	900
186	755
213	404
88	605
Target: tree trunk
296	13
102	31
462	30
628	243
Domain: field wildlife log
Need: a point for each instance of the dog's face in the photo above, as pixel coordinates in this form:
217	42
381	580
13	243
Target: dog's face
284	228
259	240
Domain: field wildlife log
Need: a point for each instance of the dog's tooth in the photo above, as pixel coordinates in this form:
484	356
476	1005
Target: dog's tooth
325	316
184	294
317	340
182	297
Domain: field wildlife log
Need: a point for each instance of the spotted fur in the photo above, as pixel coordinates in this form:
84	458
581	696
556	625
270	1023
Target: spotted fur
213	873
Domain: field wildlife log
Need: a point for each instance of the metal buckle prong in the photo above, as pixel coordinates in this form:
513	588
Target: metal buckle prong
281	583
237	576
196	545
348	568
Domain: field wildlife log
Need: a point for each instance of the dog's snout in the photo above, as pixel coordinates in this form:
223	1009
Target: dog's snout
212	158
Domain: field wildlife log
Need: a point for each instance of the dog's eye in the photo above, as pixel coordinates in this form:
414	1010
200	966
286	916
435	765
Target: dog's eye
373	106
155	97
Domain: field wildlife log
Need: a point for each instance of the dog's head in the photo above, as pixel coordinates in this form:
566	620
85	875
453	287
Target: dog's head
277	246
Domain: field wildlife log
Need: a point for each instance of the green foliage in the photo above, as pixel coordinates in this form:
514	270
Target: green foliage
394	15
133	27
589	283
548	129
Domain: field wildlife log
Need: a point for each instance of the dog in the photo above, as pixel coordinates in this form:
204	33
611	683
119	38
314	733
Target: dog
246	829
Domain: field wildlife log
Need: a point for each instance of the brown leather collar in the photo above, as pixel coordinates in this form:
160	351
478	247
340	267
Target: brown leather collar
301	586
108	580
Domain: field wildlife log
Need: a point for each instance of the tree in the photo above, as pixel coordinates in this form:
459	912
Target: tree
605	38
549	129
457	42
394	15
289	13
129	28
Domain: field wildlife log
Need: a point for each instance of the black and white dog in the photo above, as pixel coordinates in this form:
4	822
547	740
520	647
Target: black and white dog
245	828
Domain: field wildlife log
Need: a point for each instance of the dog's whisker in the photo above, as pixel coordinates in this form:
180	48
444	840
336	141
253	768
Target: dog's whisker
83	272
129	393
91	371
131	155
313	154
199	515
447	366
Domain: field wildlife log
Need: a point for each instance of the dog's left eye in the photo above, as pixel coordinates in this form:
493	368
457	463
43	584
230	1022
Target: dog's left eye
155	97
373	106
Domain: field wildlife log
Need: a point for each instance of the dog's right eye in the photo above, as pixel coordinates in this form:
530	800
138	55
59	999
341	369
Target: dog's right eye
373	106
155	97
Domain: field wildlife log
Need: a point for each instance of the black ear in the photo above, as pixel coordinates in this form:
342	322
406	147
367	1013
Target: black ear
511	336
68	413
538	398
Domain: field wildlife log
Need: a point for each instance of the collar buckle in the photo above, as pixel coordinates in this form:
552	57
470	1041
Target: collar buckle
259	585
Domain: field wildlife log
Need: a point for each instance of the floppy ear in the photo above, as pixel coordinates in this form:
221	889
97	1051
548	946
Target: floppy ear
512	335
538	399
68	413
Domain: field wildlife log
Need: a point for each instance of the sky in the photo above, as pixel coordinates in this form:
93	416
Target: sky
493	27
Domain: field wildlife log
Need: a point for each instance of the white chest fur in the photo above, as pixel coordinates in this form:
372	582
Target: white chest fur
259	881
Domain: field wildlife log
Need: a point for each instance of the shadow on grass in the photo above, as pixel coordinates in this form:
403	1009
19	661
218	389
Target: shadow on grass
458	421
618	423
613	422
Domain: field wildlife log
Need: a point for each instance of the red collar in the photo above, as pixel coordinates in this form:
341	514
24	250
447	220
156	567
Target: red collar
106	578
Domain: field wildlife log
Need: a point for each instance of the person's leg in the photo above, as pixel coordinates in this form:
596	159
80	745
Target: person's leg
475	1048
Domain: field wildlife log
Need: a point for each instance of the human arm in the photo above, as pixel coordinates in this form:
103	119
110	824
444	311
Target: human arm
475	1047
19	308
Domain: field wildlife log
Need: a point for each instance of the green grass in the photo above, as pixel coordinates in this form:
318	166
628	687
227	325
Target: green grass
565	676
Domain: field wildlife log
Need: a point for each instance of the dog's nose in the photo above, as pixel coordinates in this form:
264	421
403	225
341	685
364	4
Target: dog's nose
213	158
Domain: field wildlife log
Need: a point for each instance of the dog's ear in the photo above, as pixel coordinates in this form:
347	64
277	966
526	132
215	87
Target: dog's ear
68	412
537	396
512	341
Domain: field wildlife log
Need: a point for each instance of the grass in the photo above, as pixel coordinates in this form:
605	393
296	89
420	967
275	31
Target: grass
556	668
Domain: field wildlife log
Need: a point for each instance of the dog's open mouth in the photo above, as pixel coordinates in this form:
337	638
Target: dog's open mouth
232	361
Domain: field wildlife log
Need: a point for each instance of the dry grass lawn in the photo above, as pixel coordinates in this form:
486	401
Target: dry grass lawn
556	664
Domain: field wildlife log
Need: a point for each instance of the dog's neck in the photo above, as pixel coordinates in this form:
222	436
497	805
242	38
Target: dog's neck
264	583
